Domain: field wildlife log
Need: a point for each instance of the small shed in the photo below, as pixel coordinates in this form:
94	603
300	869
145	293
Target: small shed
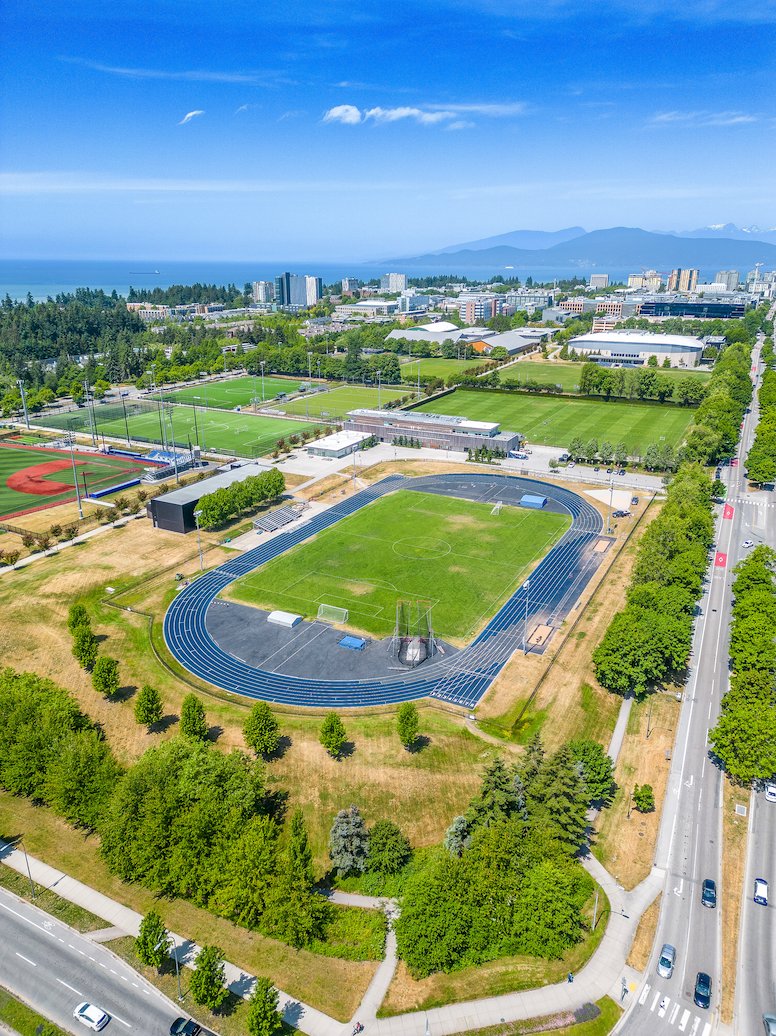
287	619
534	501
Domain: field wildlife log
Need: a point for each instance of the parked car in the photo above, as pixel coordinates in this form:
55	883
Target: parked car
185	1027
621	471
621	514
761	891
570	464
702	997
747	544
610	471
597	468
634	501
770	792
91	1016
665	962
769	1021
709	893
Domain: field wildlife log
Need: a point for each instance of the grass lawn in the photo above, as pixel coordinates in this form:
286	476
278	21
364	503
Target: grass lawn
25	490
245	435
567	374
555	422
22	1018
224	395
436	367
335	403
408	546
607	1019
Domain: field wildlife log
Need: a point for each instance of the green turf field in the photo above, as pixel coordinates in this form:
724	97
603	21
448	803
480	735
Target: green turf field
337	402
567	374
407	546
436	367
15	461
550	421
225	395
244	435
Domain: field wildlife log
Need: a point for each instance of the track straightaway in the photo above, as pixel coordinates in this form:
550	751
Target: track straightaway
555	585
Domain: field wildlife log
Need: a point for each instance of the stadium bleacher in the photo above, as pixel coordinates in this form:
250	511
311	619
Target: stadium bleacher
278	518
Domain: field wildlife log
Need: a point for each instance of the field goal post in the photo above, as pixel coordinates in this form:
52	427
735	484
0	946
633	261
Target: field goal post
413	638
330	613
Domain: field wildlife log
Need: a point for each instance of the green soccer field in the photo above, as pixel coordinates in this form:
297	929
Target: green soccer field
31	479
409	546
552	421
436	367
567	374
225	395
335	404
244	435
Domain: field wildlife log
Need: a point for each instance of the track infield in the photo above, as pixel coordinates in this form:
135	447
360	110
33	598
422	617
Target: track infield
549	421
408	546
32	479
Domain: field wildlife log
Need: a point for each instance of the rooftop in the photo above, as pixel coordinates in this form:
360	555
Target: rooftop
430	419
197	490
638	338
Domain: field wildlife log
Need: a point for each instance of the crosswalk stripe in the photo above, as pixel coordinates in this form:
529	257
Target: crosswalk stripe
707	1029
663	1006
674	1013
654	1002
695	1026
645	993
684	1021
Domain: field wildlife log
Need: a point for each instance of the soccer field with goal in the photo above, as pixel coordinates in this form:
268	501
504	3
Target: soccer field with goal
457	554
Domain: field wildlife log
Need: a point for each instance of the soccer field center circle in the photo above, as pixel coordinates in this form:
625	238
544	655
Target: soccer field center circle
555	586
422	548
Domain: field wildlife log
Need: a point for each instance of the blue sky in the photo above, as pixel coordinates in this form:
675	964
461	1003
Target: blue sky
250	130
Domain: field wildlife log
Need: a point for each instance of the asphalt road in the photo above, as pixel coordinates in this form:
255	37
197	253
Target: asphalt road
756	983
690	841
53	968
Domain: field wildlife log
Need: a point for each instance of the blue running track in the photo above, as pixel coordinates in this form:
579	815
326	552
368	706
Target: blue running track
555	585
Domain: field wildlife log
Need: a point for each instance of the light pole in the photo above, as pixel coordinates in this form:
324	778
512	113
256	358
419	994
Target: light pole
379	386
174	954
75	477
309	366
22	393
29	873
199	541
262	362
609	516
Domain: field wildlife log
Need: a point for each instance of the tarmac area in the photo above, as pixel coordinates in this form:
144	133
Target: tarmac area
310	650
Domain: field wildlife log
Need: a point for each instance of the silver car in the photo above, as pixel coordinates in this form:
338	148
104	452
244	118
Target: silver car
665	962
769	1021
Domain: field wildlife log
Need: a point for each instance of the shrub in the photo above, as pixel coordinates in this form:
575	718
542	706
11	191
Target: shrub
193	722
333	736
644	798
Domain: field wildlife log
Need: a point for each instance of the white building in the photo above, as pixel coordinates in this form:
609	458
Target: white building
313	290
339	444
367	309
599	280
263	291
634	348
393	282
411	301
649	280
729	278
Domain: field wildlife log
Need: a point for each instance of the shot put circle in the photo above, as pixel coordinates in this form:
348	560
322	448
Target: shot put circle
423	549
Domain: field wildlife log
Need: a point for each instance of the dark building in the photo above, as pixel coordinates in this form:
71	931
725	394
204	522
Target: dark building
175	511
703	308
439	431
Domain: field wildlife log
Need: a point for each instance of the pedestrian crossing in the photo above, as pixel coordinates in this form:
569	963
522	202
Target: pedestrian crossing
672	1012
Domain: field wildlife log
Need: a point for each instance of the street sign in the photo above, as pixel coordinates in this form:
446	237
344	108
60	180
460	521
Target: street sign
720	561
727	511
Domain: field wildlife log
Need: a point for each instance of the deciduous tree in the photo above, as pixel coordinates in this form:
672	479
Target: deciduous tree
193	722
208	982
261	730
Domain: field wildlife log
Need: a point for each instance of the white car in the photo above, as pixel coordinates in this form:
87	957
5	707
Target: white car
748	543
770	792
761	891
91	1016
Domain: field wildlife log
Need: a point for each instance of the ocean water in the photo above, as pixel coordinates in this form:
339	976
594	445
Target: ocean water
48	277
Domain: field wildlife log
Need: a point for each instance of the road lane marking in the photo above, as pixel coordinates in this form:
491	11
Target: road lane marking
72	990
23	918
684	1021
27	959
121	1020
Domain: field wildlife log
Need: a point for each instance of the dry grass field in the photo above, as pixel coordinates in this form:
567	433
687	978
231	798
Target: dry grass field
641	949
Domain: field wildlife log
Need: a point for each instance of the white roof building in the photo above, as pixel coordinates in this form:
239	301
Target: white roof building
634	348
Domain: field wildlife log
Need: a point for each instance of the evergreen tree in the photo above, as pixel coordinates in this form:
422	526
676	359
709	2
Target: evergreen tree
533	760
333	736
597	770
193	723
148	706
389	848
153	943
349	842
407	722
295	911
208	983
497	798
260	730
105	676
559	794
458	836
264	1019
84	647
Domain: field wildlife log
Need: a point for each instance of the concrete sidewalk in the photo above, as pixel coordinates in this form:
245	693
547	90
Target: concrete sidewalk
603	974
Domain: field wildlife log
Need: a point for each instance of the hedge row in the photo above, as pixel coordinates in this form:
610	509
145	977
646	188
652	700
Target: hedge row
218	507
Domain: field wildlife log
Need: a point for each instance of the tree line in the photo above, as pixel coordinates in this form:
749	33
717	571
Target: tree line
761	459
649	640
223	504
744	738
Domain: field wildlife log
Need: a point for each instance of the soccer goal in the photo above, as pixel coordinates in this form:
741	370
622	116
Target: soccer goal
497	508
330	613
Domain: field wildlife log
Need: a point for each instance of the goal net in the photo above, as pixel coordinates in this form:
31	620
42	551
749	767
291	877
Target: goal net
496	508
330	613
413	637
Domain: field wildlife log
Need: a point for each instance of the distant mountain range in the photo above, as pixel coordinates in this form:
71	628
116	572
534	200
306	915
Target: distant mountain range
531	239
617	247
730	230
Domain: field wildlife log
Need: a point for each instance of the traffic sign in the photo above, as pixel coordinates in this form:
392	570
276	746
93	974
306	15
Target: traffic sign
720	561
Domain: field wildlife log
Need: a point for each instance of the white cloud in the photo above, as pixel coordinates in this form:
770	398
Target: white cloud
460	124
703	118
189	75
242	108
426	118
347	114
71	182
191	115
